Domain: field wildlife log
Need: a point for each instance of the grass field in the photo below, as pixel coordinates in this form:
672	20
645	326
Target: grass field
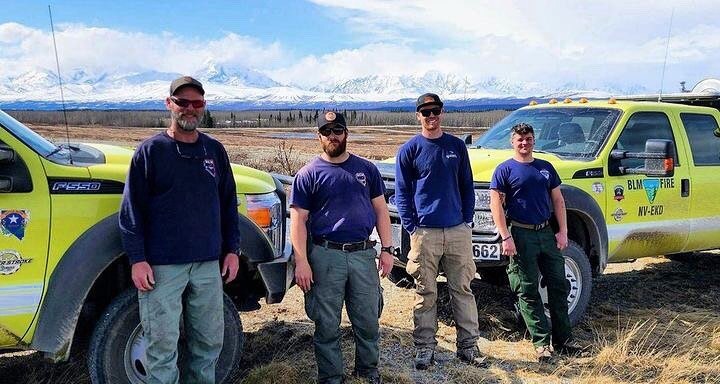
650	321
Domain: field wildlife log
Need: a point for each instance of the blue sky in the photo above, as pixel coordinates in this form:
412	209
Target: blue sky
306	42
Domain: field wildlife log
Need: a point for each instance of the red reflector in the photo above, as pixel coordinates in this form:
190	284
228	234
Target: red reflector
669	164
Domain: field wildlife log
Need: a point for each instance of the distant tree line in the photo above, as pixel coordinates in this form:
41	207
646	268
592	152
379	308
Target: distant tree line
249	119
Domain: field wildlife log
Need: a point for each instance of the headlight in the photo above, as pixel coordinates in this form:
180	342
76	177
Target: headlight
482	199
265	211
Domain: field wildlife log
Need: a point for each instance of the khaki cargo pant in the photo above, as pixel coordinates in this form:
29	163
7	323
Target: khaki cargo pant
451	248
201	308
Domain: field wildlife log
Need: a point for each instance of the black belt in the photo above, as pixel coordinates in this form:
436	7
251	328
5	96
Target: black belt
345	247
534	227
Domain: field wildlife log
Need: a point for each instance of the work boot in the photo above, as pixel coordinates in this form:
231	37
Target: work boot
424	357
371	378
544	354
471	355
570	348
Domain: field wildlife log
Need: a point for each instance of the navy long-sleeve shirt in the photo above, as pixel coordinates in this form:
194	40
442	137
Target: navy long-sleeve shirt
179	204
433	183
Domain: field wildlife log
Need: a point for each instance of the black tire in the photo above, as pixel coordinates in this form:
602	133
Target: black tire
121	320
401	278
580	285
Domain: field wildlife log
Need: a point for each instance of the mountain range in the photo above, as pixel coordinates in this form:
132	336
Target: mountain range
245	88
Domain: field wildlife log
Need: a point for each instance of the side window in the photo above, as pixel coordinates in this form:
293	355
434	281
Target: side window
16	173
704	135
640	127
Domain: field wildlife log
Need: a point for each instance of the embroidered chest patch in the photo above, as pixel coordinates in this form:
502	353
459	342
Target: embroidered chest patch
360	177
209	166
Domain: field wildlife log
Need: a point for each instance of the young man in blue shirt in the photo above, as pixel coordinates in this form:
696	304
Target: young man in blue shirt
435	198
178	219
529	188
342	197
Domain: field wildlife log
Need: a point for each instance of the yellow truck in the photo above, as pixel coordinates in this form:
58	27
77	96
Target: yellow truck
640	178
64	278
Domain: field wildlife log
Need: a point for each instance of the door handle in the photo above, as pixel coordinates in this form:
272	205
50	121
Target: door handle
5	184
685	187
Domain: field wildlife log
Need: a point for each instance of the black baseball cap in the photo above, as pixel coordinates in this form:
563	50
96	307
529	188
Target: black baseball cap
428	99
330	117
186	81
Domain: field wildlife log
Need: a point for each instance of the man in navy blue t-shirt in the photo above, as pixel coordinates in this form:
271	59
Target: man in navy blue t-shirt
435	198
530	189
341	197
178	218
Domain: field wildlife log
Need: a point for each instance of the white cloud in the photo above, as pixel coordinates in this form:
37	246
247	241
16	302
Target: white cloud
590	43
104	50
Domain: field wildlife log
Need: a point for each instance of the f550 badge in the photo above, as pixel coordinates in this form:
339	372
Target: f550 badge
73	186
11	261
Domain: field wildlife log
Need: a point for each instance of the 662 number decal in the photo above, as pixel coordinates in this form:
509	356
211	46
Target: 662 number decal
490	252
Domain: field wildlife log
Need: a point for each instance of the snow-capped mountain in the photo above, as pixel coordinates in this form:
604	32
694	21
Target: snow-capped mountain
239	87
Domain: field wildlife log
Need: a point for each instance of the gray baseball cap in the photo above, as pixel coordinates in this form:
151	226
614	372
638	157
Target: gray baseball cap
428	99
185	81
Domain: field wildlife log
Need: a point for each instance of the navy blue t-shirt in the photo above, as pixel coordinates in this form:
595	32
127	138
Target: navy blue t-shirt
527	189
179	205
338	197
433	183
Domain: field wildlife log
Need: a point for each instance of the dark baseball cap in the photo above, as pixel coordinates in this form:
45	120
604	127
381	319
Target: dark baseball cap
185	81
428	99
331	117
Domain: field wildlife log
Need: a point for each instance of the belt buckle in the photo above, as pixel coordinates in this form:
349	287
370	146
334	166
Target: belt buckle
343	247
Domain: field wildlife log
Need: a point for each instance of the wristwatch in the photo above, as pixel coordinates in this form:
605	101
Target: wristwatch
389	249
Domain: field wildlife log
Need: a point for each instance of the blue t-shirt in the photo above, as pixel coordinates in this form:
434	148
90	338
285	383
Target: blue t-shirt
338	197
179	204
527	189
433	183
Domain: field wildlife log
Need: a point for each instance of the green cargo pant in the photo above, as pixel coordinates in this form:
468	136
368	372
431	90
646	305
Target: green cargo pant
450	248
201	308
537	252
351	277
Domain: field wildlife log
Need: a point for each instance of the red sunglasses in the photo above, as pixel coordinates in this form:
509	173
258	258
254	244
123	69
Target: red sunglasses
184	103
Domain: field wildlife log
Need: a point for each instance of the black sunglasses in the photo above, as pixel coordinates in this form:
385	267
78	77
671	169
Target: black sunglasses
336	130
184	103
434	111
193	156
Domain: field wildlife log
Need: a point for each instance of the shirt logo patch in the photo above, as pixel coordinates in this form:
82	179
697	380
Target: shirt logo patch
545	173
209	166
451	155
13	222
360	177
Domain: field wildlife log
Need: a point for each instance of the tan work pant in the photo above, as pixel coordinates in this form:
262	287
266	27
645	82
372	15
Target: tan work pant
451	249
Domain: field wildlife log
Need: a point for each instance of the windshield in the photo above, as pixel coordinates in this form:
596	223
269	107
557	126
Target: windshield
566	132
38	143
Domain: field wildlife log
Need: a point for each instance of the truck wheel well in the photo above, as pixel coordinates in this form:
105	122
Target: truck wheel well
578	232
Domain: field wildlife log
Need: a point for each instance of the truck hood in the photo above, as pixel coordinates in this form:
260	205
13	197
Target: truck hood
117	160
484	161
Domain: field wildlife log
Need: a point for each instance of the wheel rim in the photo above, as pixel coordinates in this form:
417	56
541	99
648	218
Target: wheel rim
574	277
135	359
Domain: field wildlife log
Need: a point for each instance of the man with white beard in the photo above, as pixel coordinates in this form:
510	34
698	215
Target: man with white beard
342	197
178	219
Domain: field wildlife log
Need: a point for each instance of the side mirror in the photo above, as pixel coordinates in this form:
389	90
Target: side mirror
467	139
659	158
7	155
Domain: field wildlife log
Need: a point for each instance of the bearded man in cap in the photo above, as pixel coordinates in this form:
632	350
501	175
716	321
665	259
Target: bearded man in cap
435	198
179	225
340	198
